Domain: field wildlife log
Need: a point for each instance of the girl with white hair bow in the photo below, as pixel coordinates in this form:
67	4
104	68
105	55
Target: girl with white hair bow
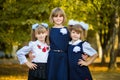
78	48
39	49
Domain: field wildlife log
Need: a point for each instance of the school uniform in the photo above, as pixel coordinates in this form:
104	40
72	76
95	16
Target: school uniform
75	51
40	51
58	59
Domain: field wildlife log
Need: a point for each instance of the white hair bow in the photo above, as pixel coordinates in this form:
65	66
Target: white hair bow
83	24
34	26
45	25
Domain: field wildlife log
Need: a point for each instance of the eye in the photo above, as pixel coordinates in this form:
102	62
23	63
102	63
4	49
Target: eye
55	16
61	16
73	31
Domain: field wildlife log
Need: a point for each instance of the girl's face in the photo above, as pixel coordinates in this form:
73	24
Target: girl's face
58	20
74	35
41	36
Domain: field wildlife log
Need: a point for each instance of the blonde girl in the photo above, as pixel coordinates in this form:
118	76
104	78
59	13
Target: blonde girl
39	48
59	38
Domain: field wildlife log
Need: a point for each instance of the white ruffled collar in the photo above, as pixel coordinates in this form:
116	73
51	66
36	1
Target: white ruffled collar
75	43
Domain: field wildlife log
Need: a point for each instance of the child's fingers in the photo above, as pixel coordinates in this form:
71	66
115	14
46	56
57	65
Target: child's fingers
79	61
33	66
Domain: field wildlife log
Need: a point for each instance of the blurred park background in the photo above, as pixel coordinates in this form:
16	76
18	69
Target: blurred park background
17	16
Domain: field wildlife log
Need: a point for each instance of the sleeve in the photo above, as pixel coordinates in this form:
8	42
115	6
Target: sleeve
23	51
88	49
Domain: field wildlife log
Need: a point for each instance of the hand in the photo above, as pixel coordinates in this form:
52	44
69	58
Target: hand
31	65
82	62
84	56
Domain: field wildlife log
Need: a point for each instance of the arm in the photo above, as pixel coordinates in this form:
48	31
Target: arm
22	58
85	56
21	54
87	62
89	51
29	63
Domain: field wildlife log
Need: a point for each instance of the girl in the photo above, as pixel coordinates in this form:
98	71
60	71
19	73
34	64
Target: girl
39	48
59	38
77	65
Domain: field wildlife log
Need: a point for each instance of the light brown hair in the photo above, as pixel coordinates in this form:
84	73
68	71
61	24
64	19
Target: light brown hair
55	12
38	30
78	29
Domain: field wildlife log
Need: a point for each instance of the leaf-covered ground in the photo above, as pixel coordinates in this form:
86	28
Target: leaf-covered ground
14	71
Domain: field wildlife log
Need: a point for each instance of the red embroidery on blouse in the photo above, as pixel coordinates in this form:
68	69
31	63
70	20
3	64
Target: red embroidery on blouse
44	49
47	48
39	46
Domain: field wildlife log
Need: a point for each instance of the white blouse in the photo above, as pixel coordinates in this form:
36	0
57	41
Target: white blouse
87	49
38	49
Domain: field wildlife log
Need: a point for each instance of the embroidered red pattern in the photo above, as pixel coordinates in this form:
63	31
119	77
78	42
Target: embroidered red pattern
39	46
44	49
47	48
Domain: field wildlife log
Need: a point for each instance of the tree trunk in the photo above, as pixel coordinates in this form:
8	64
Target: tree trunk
99	45
112	63
14	49
98	38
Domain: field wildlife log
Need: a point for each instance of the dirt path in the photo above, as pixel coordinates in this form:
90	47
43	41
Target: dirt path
106	75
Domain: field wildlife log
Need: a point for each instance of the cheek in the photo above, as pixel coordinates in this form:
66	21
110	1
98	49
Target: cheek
54	18
71	35
62	18
46	33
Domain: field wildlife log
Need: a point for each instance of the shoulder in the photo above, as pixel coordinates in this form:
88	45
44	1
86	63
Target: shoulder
31	43
66	27
87	46
86	43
